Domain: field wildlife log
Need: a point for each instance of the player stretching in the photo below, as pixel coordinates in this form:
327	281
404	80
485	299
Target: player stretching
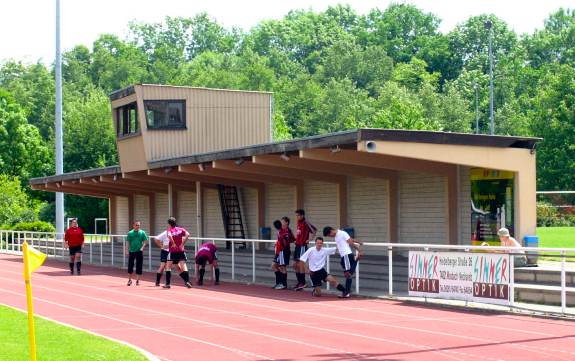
178	237
317	257
207	254
348	262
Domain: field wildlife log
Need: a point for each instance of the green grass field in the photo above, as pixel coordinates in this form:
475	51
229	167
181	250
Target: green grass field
556	237
56	342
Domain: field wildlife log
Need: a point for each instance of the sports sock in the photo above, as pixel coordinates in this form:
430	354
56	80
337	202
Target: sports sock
158	277
202	272
278	277
78	266
168	277
348	282
300	278
185	276
217	274
72	267
284	279
340	287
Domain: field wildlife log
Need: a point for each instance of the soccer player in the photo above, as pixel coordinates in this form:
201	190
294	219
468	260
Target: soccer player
137	240
74	240
163	243
178	237
282	252
348	262
317	257
304	232
208	252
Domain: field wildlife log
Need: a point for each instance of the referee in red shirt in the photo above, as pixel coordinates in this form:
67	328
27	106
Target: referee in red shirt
74	240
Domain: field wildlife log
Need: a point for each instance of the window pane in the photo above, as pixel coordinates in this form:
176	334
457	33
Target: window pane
175	114
133	120
165	114
119	121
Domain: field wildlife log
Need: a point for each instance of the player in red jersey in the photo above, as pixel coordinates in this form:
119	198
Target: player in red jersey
208	253
282	252
74	240
178	237
305	231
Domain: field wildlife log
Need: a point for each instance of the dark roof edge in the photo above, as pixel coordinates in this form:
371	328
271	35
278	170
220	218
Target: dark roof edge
433	137
318	141
122	93
75	175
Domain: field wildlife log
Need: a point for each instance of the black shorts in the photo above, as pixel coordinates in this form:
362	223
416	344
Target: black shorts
164	255
299	251
177	257
138	259
75	249
282	258
318	277
348	263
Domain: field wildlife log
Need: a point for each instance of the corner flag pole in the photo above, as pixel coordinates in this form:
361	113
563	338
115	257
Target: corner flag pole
31	330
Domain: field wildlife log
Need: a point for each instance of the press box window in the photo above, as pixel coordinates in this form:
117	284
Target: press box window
127	120
165	114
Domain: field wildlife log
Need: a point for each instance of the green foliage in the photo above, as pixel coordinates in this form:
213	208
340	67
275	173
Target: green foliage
15	205
37	226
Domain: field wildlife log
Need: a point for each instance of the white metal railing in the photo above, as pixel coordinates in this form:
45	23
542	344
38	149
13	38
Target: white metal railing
101	249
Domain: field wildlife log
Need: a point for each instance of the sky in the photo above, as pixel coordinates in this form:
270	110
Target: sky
27	27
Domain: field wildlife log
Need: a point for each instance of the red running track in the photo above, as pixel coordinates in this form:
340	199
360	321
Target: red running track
239	322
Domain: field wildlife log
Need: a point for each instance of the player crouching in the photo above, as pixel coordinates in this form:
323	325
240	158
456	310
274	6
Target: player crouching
207	254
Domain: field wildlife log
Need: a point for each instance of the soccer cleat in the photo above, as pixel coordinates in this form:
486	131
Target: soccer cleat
129	283
157	284
344	295
166	286
217	283
200	283
137	282
275	286
188	284
280	287
299	287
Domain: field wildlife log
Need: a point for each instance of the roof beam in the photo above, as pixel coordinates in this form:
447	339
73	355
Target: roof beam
206	180
96	184
265	170
372	160
119	180
296	163
80	191
144	176
224	174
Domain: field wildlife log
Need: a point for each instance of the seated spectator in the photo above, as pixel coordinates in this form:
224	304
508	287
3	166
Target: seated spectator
519	258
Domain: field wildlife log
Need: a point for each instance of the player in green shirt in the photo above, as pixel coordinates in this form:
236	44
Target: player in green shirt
136	242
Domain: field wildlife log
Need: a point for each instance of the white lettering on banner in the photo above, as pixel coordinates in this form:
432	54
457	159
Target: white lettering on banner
476	277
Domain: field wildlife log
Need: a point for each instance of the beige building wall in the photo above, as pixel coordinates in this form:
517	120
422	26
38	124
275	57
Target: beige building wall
213	223
187	214
122	215
280	201
161	216
215	119
249	207
368	208
320	204
423	208
142	211
464	205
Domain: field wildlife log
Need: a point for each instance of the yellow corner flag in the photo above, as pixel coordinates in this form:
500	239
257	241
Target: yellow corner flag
32	260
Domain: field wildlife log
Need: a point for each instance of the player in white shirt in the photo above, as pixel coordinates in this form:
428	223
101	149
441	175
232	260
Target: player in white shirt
163	243
317	258
348	262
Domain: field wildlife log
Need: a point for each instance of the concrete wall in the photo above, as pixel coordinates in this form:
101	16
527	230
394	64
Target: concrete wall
249	206
161	216
122	214
368	208
142	211
187	214
213	223
423	208
320	204
280	201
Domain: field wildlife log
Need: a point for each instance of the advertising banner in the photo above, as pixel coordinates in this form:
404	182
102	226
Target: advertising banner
474	277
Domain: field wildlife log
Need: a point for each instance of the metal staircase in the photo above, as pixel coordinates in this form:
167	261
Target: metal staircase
231	213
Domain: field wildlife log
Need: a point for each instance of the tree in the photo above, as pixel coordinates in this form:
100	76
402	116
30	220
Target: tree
23	152
555	42
15	204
